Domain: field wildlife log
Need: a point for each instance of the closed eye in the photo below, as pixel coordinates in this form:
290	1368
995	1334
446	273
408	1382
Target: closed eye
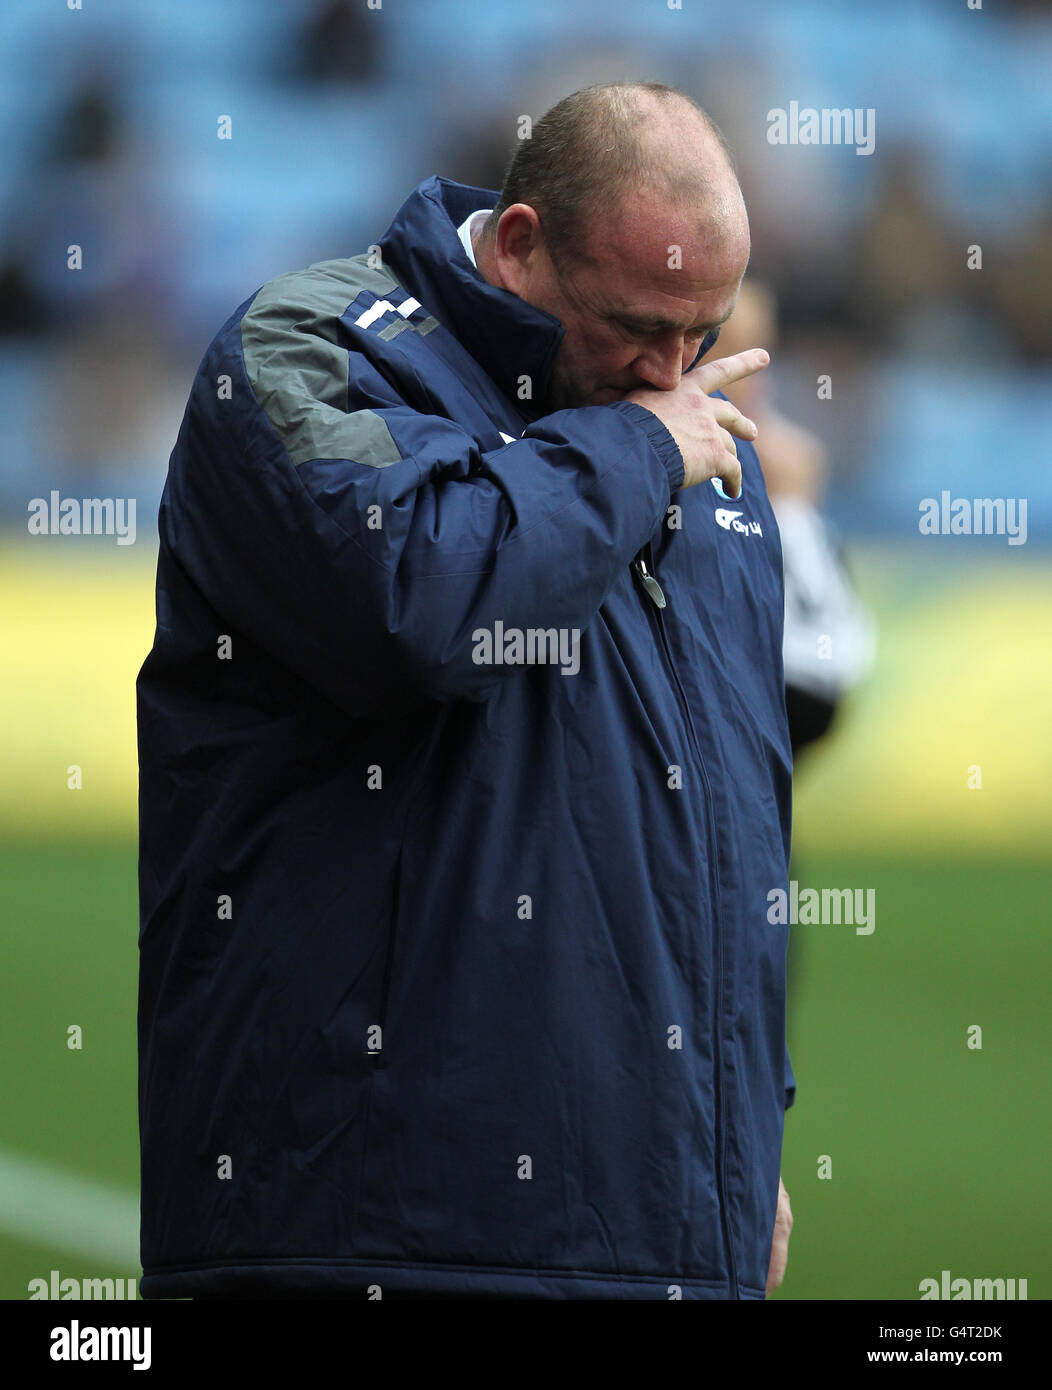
639	330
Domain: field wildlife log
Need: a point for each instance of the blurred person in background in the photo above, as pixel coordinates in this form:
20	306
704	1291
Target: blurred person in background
829	637
337	43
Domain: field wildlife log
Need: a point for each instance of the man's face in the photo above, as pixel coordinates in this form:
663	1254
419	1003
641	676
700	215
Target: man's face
637	307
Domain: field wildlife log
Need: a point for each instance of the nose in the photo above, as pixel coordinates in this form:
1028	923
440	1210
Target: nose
661	363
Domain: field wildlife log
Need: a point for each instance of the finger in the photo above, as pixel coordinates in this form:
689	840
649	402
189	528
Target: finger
731	418
714	376
730	469
731	481
727	439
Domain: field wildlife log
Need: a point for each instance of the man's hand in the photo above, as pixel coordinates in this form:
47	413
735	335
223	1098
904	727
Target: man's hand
702	427
783	1224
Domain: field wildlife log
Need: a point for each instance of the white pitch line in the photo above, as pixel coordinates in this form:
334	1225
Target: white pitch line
50	1206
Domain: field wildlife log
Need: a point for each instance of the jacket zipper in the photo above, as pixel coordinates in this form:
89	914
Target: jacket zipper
643	565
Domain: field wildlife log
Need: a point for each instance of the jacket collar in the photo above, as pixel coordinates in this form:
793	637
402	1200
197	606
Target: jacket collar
507	337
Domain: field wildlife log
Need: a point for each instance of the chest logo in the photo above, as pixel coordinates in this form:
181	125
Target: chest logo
734	521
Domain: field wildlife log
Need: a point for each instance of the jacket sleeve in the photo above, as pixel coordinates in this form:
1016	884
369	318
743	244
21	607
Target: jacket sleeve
361	543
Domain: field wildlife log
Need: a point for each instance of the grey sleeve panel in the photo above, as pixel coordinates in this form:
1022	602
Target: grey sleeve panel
297	367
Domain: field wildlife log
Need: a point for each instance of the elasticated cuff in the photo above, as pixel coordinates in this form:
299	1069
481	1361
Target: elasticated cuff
660	438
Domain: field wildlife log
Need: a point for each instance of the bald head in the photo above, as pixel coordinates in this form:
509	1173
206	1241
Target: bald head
681	158
620	148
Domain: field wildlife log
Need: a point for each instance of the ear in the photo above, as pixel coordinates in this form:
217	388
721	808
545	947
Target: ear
515	246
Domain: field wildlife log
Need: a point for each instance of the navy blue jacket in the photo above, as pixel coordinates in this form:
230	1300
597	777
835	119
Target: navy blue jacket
455	846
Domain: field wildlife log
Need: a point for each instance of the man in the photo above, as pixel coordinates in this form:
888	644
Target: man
464	764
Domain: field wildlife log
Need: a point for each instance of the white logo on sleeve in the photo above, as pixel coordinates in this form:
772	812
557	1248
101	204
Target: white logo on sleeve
733	521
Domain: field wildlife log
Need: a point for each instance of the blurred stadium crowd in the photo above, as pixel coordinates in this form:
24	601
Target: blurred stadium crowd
338	109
